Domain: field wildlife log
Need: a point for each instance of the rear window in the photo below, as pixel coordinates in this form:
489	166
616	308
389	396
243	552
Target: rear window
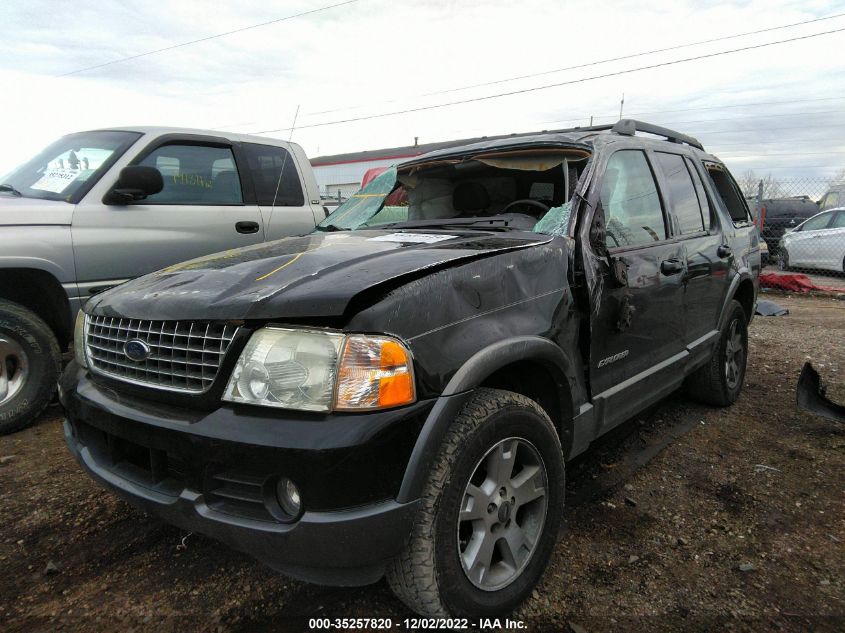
266	163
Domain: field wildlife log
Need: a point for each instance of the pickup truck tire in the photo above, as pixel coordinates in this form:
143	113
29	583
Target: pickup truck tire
29	366
720	380
502	446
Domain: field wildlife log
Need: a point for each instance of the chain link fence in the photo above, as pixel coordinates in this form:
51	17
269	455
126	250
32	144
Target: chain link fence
802	221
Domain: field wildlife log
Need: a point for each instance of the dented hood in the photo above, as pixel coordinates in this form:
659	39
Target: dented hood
313	276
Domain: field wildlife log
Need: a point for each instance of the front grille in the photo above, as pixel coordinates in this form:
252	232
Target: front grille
183	355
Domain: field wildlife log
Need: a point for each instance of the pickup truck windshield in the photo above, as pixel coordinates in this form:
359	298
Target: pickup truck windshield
519	191
68	168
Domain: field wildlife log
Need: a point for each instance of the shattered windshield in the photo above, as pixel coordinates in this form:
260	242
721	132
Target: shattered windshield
525	190
66	169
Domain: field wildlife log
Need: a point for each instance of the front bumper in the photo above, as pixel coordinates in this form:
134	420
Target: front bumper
215	474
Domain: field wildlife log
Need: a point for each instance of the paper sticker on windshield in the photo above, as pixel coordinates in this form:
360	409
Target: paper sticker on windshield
413	238
56	180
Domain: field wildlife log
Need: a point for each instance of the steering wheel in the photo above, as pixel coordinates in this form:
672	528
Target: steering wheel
528	202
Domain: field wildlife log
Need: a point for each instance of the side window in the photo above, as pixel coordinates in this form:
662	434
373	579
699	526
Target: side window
266	163
682	195
830	200
195	174
631	204
817	223
838	221
728	192
702	195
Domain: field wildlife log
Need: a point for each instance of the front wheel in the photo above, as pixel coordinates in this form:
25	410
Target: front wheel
720	380
29	366
490	512
783	259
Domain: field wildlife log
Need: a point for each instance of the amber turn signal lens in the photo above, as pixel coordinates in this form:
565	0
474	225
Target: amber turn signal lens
375	373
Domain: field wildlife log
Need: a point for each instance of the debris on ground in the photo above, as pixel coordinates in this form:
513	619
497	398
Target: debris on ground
811	395
766	307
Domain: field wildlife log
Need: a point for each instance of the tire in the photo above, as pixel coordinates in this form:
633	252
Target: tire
719	382
783	259
29	366
429	573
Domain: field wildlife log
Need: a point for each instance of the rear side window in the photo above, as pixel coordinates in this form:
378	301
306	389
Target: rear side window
631	204
728	192
838	221
682	194
195	174
266	163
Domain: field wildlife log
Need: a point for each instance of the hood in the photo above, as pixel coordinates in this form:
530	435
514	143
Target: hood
313	276
16	211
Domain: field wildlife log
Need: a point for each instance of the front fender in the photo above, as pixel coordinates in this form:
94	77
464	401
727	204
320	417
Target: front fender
461	387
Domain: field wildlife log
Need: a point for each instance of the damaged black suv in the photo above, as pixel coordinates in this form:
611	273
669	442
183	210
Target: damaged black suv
396	393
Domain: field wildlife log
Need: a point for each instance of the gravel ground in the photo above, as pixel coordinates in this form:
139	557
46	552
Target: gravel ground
687	518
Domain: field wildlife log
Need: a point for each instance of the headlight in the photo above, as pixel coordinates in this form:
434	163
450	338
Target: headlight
321	371
79	340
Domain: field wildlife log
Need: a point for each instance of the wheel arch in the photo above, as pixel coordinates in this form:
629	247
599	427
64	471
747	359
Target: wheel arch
531	365
743	290
39	291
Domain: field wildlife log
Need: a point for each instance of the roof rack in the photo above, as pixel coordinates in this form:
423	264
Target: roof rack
629	127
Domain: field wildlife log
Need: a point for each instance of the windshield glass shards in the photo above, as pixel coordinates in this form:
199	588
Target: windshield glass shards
526	189
68	168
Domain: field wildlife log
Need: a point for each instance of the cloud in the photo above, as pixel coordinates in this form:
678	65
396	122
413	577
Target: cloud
380	56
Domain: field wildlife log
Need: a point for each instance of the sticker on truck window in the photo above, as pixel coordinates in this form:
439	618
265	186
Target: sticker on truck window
413	238
56	180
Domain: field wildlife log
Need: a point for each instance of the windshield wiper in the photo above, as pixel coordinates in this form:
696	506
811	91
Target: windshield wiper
10	189
501	222
328	228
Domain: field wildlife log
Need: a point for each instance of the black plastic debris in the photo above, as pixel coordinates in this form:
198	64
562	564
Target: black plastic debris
770	308
811	395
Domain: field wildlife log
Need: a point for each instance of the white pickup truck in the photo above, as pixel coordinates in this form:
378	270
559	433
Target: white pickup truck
95	209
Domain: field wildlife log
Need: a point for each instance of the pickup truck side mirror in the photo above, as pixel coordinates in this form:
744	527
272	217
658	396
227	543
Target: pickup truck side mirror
135	182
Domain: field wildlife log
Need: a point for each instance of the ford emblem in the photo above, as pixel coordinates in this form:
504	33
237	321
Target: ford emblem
136	350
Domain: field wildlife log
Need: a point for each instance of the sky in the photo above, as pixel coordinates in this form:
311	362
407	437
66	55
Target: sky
777	109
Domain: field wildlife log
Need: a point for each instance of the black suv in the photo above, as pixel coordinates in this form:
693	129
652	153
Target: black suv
396	393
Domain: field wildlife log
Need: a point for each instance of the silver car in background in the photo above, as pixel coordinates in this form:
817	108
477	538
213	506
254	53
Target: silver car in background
818	243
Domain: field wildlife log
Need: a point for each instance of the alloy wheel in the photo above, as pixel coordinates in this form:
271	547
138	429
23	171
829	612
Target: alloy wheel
734	352
502	514
14	369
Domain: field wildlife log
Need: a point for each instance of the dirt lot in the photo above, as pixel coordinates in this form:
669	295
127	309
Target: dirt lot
688	518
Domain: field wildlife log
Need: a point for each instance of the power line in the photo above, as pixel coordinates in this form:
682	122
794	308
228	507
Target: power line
556	85
595	63
205	39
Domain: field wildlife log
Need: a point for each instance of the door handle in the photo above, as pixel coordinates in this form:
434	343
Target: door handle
247	227
724	251
671	267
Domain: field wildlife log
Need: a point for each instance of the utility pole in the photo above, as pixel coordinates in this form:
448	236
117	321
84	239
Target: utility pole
591	120
621	106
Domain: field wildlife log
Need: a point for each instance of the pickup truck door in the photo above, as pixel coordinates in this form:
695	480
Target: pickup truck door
207	205
637	320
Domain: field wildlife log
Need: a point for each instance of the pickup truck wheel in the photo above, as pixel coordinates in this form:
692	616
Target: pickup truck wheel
29	366
490	512
720	380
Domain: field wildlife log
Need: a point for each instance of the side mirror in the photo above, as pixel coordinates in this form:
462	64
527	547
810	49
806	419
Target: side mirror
135	182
